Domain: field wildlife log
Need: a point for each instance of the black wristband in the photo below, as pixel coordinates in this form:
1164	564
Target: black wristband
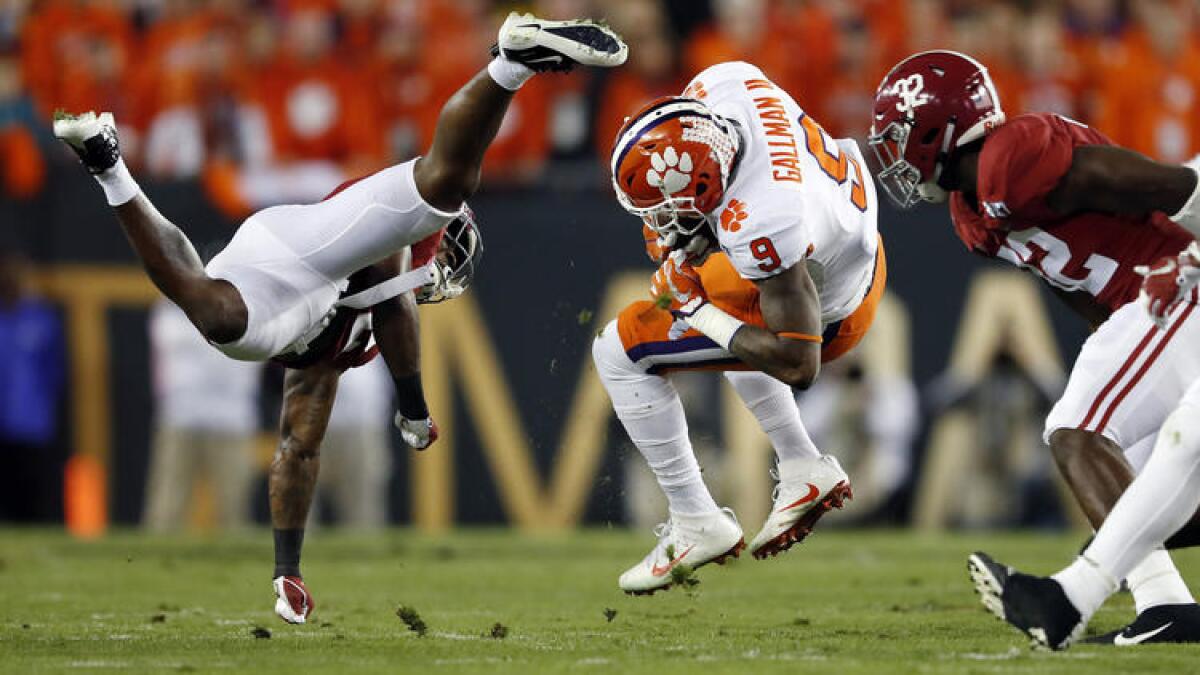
410	397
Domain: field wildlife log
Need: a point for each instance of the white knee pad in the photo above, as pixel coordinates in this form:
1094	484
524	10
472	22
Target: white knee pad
609	354
634	392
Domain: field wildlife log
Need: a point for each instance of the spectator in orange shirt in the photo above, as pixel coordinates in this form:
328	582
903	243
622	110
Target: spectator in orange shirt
741	31
1094	31
74	55
850	91
22	169
407	86
650	72
811	30
1151	100
990	35
207	113
1053	79
318	108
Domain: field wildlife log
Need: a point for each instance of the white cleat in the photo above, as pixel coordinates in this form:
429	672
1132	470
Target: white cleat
544	45
93	137
684	543
807	489
293	602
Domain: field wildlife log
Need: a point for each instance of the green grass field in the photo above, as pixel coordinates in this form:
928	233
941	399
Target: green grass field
845	602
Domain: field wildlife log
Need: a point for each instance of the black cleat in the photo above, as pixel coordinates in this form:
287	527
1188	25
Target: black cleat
558	45
1035	605
93	137
1162	624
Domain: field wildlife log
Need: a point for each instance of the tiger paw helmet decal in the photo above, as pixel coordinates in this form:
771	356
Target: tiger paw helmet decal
670	171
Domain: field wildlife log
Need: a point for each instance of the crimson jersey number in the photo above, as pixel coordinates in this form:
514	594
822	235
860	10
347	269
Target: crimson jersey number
1050	258
764	251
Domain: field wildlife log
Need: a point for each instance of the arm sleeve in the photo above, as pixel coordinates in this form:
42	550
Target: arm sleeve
1022	163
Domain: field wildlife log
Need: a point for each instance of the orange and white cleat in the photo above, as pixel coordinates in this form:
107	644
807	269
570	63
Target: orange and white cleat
684	542
807	490
293	602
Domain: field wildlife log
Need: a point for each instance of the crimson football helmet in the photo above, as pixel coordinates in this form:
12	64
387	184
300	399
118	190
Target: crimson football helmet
671	163
928	105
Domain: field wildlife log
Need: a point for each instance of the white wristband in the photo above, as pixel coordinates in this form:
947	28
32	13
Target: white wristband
119	186
508	74
715	323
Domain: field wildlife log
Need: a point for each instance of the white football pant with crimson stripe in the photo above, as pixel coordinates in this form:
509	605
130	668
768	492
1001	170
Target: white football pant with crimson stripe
1130	375
1162	498
1128	378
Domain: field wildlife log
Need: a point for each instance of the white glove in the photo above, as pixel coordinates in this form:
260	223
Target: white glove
1169	282
419	434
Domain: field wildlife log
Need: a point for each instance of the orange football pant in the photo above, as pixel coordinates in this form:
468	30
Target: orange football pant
644	327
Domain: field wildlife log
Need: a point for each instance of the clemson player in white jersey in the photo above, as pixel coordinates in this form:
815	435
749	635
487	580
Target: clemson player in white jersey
771	263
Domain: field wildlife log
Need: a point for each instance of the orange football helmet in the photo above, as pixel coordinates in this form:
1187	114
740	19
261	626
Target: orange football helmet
671	163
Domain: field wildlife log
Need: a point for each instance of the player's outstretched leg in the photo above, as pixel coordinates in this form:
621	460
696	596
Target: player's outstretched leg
1128	545
1098	473
808	484
1036	606
449	173
308	399
214	306
698	531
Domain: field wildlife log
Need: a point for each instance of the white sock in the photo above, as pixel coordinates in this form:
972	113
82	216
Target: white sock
774	406
118	184
1156	581
649	408
1158	502
508	74
1086	585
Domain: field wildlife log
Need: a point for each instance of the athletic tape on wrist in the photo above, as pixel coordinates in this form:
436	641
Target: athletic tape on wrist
118	184
508	74
715	323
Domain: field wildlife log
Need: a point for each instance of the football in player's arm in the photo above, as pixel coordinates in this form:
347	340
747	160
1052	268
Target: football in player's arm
788	348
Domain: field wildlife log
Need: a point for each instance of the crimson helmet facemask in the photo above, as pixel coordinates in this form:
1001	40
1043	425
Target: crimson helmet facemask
458	256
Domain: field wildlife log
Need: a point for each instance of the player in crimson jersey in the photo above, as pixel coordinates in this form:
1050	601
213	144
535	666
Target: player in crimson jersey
1056	197
295	283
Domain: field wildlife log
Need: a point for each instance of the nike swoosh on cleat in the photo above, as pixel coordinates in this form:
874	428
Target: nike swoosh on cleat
812	494
554	58
1122	641
657	571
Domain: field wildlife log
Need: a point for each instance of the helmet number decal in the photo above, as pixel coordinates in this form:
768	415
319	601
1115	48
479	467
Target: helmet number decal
910	91
836	166
763	249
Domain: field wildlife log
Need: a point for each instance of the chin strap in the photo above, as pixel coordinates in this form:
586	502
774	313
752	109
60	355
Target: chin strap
401	283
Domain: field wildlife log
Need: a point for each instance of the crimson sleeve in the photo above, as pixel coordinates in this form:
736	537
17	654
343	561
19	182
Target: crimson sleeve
1022	162
423	251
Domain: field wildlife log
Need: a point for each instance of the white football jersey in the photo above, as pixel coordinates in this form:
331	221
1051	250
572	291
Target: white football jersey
796	194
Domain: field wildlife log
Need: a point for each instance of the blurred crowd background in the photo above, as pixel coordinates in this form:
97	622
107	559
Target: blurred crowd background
229	89
250	103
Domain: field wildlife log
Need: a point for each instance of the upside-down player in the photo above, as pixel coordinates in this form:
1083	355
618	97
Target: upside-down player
774	265
291	282
1057	198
